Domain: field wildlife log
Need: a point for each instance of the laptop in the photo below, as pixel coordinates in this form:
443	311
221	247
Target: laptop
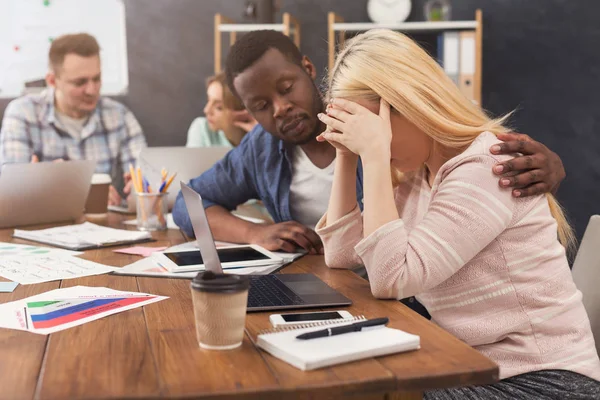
188	162
267	292
44	192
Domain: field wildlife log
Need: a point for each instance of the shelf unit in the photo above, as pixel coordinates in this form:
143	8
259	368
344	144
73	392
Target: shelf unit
289	26
336	24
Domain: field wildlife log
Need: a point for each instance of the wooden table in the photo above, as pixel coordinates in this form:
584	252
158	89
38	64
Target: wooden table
152	352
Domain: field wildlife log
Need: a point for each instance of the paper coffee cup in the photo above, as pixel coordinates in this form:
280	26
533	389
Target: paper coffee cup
220	302
97	200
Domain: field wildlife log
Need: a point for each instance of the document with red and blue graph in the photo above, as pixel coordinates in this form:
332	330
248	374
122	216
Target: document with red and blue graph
65	308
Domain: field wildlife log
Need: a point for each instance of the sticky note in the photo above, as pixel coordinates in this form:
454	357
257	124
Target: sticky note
7	287
140	250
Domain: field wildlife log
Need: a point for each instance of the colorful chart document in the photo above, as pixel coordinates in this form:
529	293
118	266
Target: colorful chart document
55	313
60	309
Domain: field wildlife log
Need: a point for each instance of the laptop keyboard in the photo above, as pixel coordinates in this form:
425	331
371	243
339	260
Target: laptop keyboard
267	290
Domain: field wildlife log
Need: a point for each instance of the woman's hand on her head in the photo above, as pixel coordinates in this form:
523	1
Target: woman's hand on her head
537	170
357	129
243	120
341	150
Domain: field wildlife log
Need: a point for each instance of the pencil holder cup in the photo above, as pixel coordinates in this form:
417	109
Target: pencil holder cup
152	209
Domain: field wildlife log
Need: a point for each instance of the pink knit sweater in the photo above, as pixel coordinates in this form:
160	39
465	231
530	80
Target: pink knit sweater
487	266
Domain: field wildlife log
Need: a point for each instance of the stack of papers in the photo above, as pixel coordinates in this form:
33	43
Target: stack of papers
83	236
60	309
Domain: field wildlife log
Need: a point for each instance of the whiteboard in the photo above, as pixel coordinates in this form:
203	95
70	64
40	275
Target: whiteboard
27	28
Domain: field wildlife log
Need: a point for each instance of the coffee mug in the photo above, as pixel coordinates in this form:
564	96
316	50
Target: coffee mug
97	200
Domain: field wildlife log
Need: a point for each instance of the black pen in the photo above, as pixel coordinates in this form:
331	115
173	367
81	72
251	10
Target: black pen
338	330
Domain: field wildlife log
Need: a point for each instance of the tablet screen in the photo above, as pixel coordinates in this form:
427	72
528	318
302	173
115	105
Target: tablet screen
225	255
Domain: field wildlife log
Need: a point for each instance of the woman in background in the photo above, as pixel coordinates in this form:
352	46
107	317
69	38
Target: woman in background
488	267
226	123
226	120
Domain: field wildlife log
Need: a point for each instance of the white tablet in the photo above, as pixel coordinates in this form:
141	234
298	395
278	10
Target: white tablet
242	256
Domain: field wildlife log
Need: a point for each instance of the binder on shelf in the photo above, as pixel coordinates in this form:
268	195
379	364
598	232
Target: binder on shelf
467	64
451	49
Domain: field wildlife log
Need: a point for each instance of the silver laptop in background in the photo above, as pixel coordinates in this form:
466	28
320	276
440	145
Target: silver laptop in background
45	192
188	162
267	292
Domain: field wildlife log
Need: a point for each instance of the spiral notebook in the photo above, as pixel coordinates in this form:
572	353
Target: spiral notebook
323	352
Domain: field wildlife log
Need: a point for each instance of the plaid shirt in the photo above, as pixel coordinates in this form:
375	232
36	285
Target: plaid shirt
112	136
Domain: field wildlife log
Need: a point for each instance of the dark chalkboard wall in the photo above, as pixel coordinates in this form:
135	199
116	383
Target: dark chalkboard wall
539	56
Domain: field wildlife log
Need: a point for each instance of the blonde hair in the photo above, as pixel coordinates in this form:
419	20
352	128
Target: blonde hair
82	44
385	64
229	99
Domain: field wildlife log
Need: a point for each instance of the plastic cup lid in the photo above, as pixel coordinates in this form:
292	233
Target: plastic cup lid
207	281
101	179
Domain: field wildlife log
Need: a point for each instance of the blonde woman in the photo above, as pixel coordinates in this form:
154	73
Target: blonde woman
488	267
226	121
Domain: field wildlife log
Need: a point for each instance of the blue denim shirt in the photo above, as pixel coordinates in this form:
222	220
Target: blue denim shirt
259	168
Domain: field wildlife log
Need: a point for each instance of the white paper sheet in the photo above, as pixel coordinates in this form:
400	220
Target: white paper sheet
23	250
61	309
8	287
46	268
148	267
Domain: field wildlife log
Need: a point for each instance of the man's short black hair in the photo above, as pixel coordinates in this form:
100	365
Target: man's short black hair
252	46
